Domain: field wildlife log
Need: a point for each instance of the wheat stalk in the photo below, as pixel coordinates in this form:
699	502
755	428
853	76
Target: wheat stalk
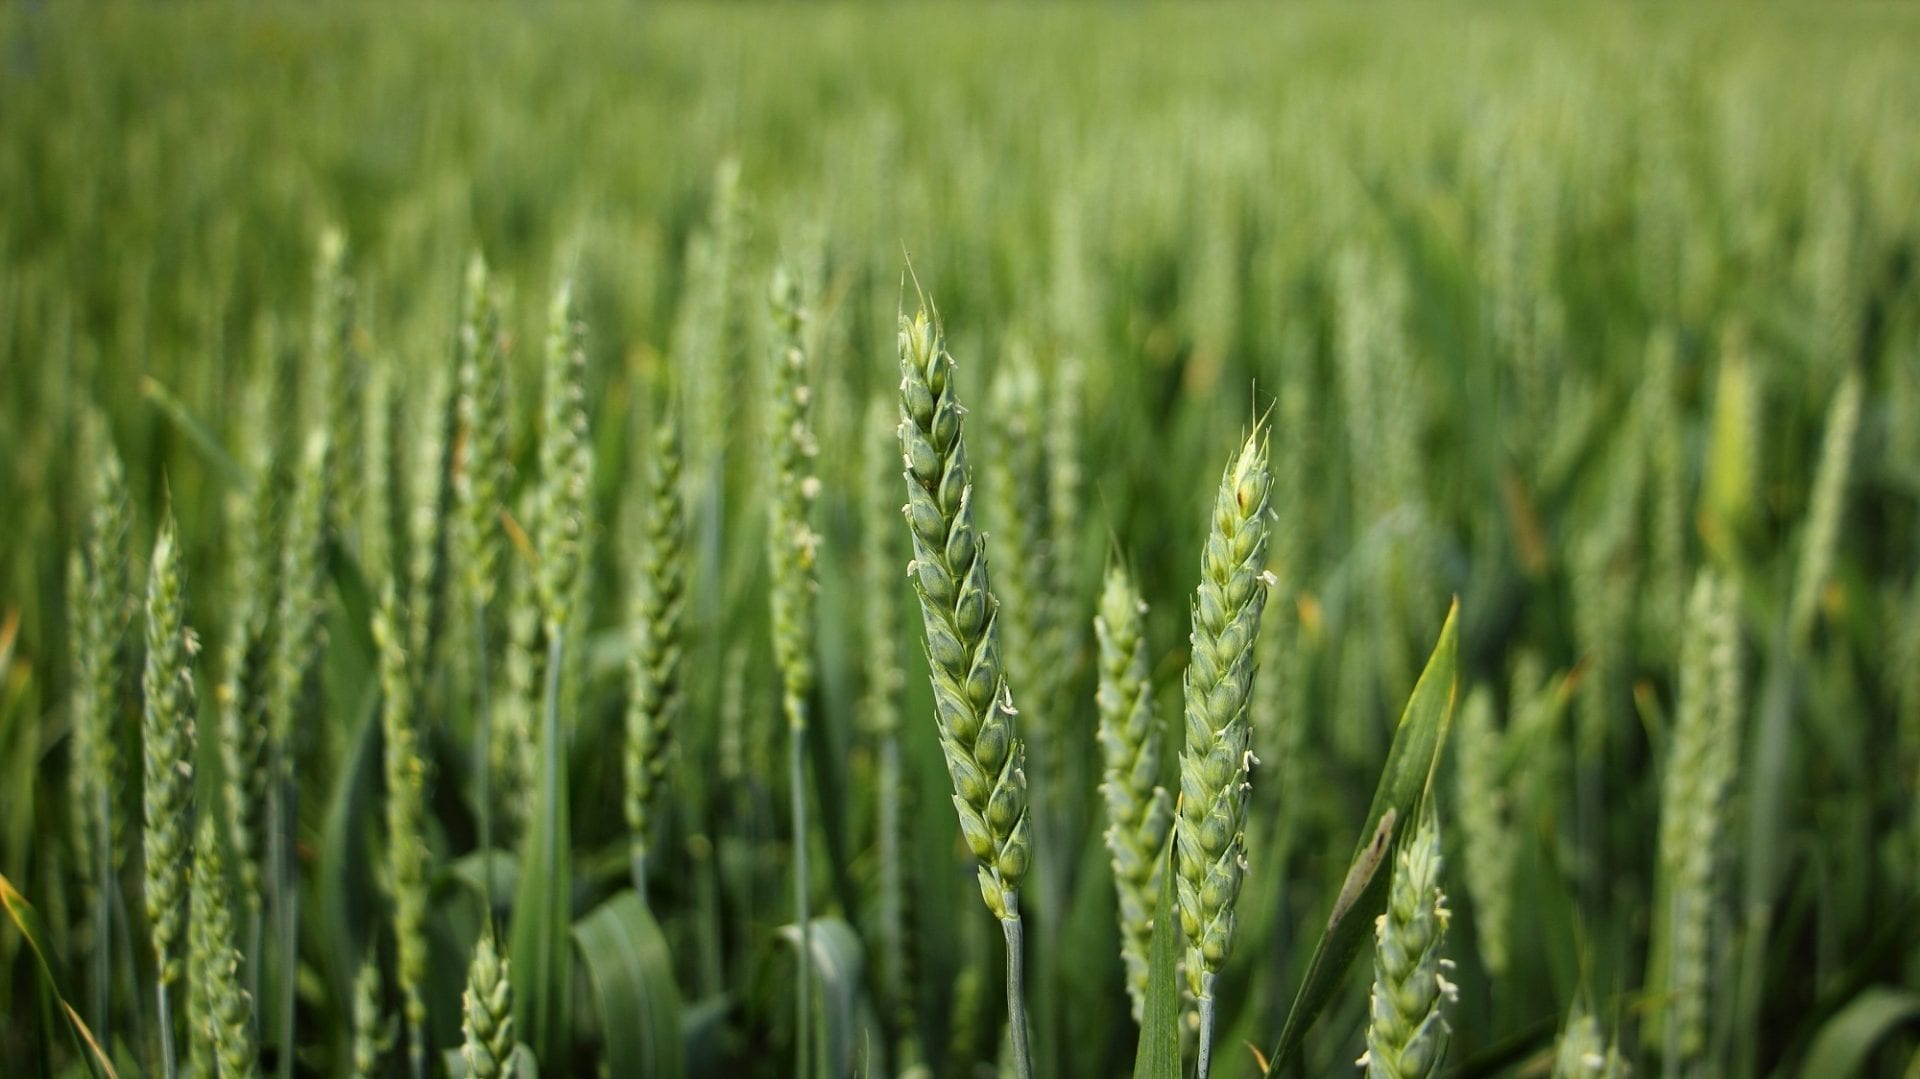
973	708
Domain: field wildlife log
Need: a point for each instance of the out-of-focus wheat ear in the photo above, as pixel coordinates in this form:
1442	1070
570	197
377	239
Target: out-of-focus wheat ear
1826	507
100	597
880	715
1584	1052
523	667
1490	847
221	1016
566	464
1407	1031
1217	760
428	516
1139	810
791	548
654	667
486	1013
484	470
299	645
481	476
1701	763
373	1029
1016	500
168	750
338	375
407	854
973	708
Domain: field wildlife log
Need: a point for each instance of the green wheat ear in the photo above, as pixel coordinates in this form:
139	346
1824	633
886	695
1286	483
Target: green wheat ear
654	668
1215	764
972	704
223	1017
168	750
486	1023
1139	811
1407	1033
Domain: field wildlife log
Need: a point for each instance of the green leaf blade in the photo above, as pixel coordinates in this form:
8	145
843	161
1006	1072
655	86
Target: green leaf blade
1403	780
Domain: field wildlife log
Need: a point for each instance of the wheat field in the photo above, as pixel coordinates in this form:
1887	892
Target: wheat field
1037	540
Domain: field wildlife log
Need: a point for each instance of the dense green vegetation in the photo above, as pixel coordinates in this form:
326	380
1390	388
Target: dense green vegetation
510	401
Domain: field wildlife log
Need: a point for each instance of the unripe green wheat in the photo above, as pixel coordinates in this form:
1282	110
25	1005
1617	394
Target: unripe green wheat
1490	847
973	707
486	1022
1139	810
407	855
1215	763
223	1017
100	592
168	738
972	704
1583	1052
428	530
338	374
372	1030
513	750
791	548
654	667
566	465
1407	1032
1826	506
300	638
1700	767
792	541
484	470
880	716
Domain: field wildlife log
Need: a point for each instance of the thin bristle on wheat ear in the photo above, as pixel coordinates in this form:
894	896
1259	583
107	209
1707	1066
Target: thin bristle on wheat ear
1210	843
973	707
1139	811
